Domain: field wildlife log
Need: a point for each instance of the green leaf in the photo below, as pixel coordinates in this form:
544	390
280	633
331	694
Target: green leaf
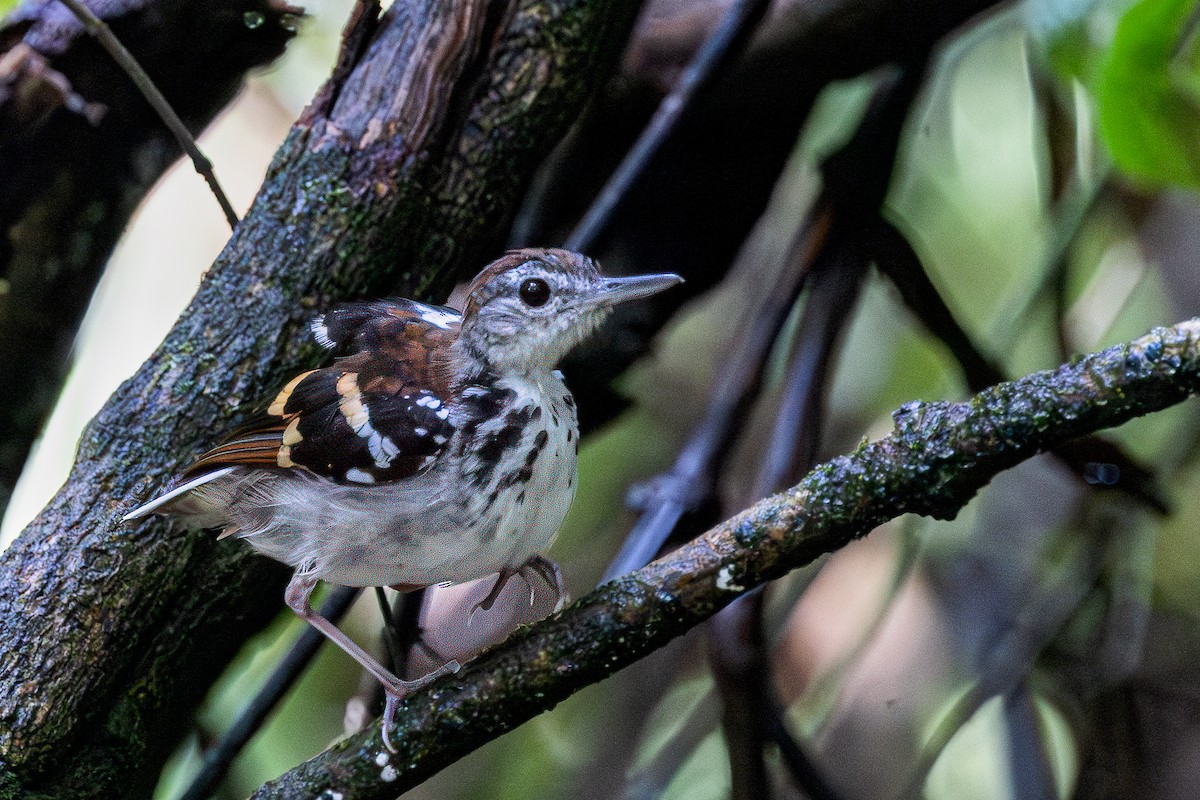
1059	29
1148	94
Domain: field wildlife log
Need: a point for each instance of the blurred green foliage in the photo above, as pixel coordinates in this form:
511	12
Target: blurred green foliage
1147	93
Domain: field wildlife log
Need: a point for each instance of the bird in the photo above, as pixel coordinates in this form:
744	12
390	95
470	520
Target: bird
437	447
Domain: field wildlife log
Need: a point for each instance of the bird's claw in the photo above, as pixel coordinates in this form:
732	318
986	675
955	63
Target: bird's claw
401	689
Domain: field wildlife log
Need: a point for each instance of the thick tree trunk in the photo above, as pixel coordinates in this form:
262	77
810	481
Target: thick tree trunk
402	174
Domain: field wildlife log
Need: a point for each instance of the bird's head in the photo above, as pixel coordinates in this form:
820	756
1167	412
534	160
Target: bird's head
527	309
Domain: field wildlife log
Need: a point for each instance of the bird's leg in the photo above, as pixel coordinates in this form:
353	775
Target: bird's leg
297	596
501	581
541	566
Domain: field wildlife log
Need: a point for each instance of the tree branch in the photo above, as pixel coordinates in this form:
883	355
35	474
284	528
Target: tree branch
936	459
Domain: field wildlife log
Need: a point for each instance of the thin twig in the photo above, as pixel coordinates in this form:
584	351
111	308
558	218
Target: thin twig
834	287
804	772
1029	768
104	35
725	44
220	756
737	654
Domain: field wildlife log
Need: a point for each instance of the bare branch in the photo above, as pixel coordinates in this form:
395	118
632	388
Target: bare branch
933	463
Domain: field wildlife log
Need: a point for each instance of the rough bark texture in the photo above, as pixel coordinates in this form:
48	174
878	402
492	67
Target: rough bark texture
79	148
399	176
936	459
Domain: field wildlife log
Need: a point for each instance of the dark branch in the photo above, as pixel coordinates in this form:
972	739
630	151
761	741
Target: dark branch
933	463
722	47
670	496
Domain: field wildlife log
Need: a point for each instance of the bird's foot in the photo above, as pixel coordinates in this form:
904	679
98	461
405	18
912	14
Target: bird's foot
540	566
397	689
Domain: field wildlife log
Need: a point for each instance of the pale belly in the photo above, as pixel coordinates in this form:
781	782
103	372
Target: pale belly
473	519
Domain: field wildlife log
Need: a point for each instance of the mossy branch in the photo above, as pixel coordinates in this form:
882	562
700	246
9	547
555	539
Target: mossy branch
933	462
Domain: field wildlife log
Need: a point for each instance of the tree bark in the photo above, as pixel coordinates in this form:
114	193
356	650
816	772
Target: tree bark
934	461
401	175
79	148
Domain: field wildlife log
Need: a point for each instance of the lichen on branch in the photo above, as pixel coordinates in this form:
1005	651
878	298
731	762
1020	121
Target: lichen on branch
934	461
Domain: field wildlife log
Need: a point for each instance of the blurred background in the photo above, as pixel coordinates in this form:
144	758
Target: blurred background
1042	643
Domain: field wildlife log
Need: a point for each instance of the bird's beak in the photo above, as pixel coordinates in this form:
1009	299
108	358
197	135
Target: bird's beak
634	287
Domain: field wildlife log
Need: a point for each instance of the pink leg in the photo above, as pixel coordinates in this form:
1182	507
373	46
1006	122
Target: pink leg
297	597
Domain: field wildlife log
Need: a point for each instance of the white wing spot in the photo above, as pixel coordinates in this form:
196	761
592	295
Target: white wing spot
439	318
321	332
383	449
381	758
421	431
442	413
359	476
388	774
439	439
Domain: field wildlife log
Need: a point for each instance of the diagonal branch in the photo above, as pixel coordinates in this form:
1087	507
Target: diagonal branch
936	459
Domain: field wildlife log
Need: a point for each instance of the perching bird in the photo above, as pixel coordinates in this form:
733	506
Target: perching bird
437	448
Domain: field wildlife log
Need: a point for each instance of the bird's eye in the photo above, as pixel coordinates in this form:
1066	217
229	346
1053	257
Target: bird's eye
535	292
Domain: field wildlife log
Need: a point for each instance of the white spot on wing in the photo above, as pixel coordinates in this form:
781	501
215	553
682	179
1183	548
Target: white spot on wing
321	332
359	476
438	318
383	449
388	774
381	758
